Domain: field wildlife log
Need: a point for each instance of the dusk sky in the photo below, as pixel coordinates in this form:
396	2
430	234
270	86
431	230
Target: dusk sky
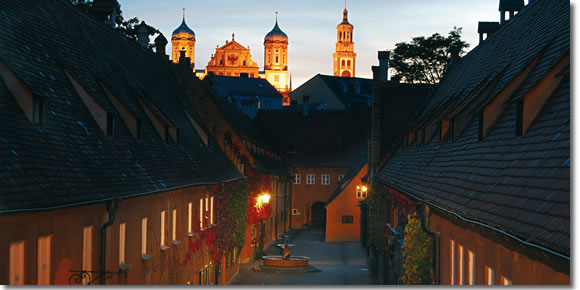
311	26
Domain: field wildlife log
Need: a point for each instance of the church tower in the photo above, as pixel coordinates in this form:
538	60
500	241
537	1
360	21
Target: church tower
276	60
344	57
183	39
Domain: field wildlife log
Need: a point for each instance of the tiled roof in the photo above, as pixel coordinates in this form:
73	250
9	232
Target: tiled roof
322	139
68	160
520	185
242	86
350	98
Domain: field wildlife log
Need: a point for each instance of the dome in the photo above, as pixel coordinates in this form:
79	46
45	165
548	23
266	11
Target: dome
183	31
345	19
276	35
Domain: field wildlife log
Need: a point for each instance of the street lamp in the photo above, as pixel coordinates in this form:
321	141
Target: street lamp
262	199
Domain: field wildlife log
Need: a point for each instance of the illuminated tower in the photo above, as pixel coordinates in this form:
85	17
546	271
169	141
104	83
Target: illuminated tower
344	57
276	60
183	39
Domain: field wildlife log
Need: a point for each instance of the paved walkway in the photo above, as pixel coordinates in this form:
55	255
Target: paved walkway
341	264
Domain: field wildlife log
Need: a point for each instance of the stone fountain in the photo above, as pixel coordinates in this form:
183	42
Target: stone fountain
287	263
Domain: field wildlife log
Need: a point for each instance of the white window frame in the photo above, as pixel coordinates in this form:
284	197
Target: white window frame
489	275
122	242
16	263
297	178
310	179
359	192
470	267
327	181
87	251
43	261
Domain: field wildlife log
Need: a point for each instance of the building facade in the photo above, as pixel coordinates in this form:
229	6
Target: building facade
276	60
344	56
183	39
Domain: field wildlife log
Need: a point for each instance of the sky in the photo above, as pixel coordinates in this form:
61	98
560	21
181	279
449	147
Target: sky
311	26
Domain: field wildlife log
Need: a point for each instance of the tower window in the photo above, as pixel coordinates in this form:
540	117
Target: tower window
348	63
244	62
276	59
276	78
342	63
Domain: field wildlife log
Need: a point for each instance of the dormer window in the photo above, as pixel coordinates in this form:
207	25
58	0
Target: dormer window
344	88
292	149
38	111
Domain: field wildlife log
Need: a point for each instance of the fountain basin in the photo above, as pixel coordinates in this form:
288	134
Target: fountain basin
277	261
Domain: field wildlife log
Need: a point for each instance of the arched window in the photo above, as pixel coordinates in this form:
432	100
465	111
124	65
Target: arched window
276	59
342	63
348	63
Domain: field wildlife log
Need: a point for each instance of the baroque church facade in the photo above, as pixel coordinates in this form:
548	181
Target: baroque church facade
233	59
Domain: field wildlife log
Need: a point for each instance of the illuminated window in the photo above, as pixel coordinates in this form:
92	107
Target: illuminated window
488	275
211	211
44	260
325	179
16	263
295	211
310	179
505	280
461	275
340	178
201	213
296	178
122	228
87	250
347	219
470	268
361	191
452	248
163	221
174	225
189	217
144	237
206	212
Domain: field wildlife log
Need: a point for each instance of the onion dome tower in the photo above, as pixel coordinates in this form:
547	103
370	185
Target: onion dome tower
183	39
276	60
344	57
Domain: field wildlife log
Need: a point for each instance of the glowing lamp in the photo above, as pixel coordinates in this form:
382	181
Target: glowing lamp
364	188
262	199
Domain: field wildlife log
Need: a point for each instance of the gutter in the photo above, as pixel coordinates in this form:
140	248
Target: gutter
111	208
491	228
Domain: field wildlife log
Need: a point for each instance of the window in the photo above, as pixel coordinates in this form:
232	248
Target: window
189	217
342	63
211	211
310	179
163	221
144	239
340	178
460	250
505	280
488	275
452	243
344	88
295	211
201	213
122	228
470	268
361	191
357	88
292	149
44	260
87	250
174	226
17	263
276	59
348	63
296	178
276	78
347	219
325	179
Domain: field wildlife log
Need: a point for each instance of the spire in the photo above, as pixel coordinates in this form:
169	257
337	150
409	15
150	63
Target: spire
183	15
276	17
345	14
233	35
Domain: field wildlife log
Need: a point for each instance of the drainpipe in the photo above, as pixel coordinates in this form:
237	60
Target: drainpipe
425	214
111	209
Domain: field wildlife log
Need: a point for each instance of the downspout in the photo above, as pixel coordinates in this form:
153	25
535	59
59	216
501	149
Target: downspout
425	215
111	209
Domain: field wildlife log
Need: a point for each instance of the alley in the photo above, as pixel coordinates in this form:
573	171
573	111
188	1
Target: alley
340	264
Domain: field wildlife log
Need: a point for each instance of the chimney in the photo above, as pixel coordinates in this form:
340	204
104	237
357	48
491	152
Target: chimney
305	106
384	65
454	51
160	43
182	59
105	11
143	35
510	6
486	28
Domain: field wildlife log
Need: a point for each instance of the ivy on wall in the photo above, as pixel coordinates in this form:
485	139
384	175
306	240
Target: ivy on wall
417	253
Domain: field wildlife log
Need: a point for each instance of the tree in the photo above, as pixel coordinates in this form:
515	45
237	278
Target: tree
129	28
427	59
417	253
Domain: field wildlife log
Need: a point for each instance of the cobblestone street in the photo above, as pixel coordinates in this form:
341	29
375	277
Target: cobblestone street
340	264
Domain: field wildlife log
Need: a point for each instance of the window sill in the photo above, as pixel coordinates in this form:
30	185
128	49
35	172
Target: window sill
146	257
164	247
190	234
124	266
176	242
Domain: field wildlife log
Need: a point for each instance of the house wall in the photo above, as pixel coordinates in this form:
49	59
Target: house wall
66	228
345	204
510	260
319	92
305	195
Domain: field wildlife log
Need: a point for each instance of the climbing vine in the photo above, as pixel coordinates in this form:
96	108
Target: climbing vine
417	253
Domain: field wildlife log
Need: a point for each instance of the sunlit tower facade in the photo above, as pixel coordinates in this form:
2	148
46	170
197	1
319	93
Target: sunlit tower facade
344	57
276	60
183	39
